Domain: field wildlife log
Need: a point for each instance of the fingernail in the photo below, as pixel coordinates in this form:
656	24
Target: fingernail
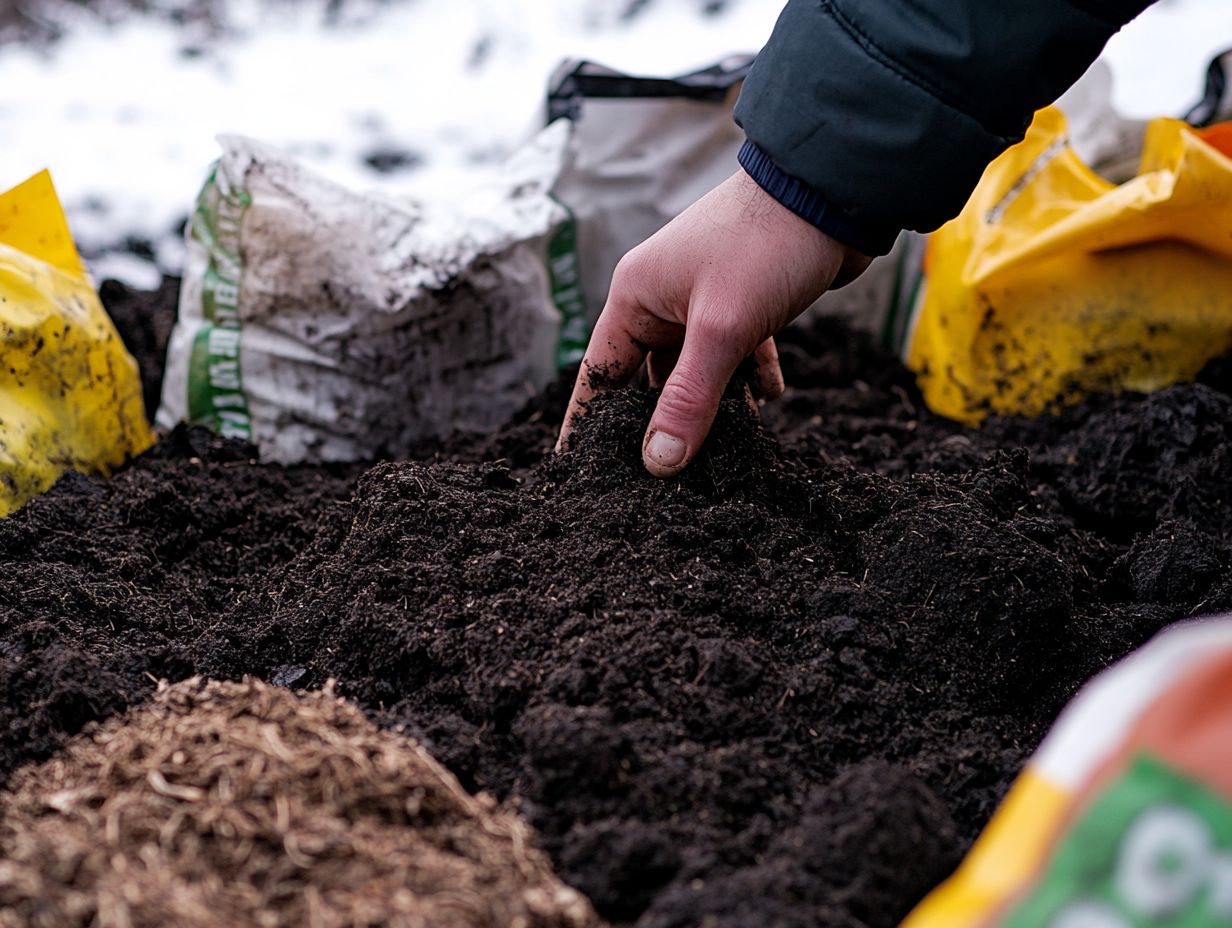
665	450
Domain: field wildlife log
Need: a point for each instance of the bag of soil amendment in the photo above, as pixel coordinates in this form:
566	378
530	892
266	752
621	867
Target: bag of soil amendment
328	325
1056	281
1123	819
70	394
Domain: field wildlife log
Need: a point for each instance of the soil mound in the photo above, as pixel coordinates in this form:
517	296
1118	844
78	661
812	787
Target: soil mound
786	688
1142	459
107	583
225	804
668	673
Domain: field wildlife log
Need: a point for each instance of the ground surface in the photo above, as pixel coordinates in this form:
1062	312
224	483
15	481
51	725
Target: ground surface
786	689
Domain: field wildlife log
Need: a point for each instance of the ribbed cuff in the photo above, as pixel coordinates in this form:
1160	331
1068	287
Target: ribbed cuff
811	206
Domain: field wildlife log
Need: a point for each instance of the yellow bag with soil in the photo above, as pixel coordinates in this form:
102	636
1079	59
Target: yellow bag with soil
70	394
1054	282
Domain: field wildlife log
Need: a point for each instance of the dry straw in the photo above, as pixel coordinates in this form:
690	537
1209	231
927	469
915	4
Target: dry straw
224	805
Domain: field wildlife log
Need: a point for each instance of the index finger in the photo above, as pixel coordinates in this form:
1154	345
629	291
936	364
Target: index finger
612	359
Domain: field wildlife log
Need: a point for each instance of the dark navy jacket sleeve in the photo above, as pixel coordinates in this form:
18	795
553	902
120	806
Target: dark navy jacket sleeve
866	117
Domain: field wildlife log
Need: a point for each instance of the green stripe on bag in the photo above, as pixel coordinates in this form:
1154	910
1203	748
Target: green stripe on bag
564	272
216	396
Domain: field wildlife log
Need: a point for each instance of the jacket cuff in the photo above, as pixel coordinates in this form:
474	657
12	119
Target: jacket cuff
811	206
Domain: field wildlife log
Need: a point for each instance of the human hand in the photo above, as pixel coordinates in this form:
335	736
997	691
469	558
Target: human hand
693	301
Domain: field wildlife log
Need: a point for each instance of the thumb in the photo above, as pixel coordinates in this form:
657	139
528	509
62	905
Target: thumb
688	403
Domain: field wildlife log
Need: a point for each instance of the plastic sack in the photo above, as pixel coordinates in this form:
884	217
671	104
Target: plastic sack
70	393
328	325
1054	282
1123	818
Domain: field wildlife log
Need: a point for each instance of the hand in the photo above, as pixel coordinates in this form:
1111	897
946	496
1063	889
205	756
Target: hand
707	291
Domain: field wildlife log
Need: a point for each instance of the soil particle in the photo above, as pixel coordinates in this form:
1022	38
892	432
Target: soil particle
843	633
224	804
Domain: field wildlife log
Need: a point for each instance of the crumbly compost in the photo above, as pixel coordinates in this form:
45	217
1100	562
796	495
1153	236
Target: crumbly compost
787	688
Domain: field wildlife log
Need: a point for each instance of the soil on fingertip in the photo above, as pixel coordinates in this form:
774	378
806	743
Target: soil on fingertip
787	688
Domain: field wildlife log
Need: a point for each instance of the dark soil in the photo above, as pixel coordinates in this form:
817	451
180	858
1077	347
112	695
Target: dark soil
144	319
787	688
232	804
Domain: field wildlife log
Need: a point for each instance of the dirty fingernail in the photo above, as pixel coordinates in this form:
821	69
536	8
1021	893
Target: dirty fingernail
665	450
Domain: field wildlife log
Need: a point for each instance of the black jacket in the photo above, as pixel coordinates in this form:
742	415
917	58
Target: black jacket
866	117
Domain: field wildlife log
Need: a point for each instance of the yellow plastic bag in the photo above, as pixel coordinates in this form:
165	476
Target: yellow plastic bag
70	394
1053	282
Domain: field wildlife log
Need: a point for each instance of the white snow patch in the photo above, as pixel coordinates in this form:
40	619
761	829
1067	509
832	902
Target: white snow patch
126	119
1159	60
125	115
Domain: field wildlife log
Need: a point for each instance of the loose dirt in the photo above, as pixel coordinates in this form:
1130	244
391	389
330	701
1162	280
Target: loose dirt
144	319
231	804
787	688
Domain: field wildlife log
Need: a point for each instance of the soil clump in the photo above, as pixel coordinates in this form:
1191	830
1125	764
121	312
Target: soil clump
225	804
787	688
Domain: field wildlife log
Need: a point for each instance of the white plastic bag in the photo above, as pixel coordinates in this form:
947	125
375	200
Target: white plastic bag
328	325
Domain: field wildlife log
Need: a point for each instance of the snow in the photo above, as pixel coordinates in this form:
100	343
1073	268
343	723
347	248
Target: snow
1159	60
125	114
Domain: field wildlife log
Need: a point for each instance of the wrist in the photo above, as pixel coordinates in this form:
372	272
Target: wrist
811	206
